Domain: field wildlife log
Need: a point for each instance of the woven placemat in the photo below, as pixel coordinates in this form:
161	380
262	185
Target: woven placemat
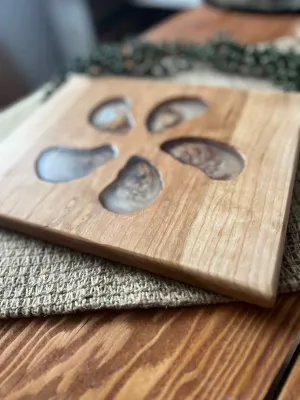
38	278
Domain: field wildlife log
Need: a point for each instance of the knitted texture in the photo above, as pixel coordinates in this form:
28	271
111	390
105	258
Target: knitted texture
38	278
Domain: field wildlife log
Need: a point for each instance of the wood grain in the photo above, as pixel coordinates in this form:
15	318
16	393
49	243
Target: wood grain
217	352
205	22
188	350
223	235
291	390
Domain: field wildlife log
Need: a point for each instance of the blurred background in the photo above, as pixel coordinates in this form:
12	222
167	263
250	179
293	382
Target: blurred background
37	37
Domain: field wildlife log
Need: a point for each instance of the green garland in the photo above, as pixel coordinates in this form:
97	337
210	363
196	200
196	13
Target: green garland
142	59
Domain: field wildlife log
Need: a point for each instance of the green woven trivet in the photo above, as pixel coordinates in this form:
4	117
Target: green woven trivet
142	59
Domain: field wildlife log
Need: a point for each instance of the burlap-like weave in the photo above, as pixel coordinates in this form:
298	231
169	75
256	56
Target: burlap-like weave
37	278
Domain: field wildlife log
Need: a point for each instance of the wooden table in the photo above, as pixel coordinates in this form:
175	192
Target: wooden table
205	22
291	389
224	352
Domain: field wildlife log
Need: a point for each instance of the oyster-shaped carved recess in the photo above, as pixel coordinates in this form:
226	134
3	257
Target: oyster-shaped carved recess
216	159
64	164
173	112
113	116
137	186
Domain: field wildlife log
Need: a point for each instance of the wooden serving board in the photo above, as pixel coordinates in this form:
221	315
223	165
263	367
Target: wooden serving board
186	218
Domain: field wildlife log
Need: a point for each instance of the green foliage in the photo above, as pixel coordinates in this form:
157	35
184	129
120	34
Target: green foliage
138	58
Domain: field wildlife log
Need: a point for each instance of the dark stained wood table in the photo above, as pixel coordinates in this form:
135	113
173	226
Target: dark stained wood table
204	22
291	389
222	352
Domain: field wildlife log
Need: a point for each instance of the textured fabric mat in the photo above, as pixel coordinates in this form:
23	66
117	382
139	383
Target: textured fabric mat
37	278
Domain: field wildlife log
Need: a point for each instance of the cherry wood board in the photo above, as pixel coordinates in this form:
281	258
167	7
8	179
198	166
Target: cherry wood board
222	235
